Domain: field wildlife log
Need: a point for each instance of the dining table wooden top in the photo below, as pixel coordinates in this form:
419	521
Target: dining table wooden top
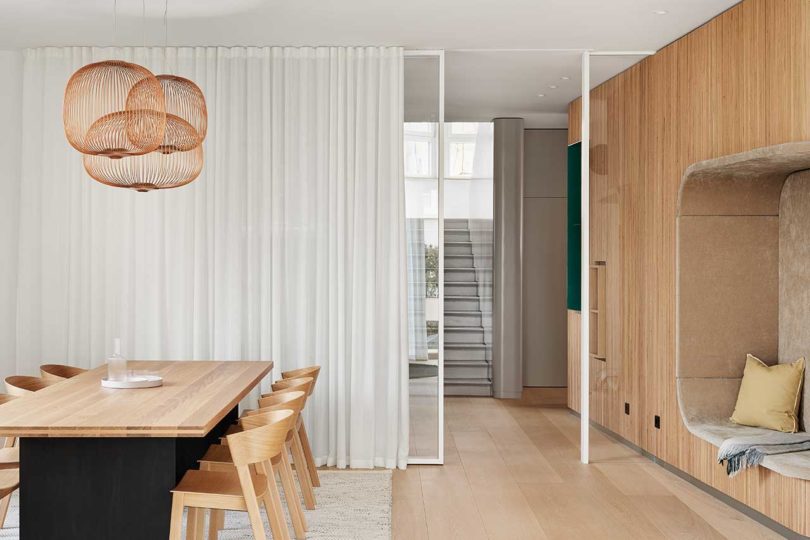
195	396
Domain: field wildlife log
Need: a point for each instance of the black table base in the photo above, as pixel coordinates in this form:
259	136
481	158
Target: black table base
89	488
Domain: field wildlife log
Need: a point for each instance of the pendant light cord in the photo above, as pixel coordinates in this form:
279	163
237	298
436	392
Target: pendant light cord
166	36
143	22
115	23
166	24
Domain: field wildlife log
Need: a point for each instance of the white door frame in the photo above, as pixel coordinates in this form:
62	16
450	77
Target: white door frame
585	259
439	459
585	246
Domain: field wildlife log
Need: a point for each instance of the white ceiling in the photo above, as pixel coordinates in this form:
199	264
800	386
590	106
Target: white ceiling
479	85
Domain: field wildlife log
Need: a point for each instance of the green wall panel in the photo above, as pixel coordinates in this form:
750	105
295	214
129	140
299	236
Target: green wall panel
574	226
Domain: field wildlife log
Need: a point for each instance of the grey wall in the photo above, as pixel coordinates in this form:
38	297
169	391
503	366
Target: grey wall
507	264
544	257
10	141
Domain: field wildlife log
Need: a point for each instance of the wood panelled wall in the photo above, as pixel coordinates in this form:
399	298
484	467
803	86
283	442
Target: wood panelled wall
739	82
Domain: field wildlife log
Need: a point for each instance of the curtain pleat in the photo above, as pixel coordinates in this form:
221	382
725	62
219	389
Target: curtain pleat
290	246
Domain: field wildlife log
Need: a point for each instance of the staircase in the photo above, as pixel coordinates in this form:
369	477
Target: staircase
467	312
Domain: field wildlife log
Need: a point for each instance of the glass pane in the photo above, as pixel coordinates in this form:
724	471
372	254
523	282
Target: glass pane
421	154
468	243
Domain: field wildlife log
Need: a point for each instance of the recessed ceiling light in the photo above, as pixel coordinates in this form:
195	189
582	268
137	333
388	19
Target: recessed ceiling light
564	78
660	12
552	86
541	95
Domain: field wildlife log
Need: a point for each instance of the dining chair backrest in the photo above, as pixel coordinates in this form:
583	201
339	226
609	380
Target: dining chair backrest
294	400
59	372
310	371
264	417
20	385
262	443
287	385
5	398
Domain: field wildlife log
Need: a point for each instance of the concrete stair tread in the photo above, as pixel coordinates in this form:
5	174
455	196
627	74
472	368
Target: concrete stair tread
464	328
464	256
469	382
472	313
465	346
475	363
485	298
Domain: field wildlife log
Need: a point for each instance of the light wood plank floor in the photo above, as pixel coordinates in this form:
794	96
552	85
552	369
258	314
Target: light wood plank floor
512	472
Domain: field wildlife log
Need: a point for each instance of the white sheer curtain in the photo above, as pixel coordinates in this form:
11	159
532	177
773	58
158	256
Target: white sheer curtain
290	247
417	290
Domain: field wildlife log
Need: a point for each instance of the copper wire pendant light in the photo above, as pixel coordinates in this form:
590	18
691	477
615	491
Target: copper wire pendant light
148	172
185	105
178	160
114	109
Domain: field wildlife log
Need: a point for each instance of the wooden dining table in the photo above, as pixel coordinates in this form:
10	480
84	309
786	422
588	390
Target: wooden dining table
100	463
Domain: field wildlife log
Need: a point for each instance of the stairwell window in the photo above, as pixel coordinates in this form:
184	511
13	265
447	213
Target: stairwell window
422	211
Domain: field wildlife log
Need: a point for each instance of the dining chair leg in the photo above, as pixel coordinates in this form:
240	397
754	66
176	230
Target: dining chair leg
4	510
195	523
302	472
216	522
252	506
176	523
273	507
313	471
216	517
291	496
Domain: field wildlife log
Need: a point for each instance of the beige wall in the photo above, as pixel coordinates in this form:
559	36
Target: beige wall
544	257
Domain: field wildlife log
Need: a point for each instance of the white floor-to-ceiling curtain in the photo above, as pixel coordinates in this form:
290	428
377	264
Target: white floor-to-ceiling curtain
417	287
289	247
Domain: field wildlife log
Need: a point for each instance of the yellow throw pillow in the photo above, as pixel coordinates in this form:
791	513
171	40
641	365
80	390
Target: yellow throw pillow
769	395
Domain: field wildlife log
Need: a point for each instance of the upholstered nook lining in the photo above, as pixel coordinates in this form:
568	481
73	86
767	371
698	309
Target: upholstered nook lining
743	281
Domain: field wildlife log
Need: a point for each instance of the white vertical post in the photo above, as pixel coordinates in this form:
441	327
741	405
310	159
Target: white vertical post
585	260
441	172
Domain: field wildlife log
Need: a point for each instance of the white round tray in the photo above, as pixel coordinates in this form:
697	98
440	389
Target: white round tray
137	381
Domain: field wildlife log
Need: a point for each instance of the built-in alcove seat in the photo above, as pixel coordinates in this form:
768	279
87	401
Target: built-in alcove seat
743	284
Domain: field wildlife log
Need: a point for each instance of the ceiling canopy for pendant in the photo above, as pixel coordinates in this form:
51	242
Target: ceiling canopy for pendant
114	109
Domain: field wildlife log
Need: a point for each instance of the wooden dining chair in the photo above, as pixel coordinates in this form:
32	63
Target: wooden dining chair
240	490
297	375
59	372
9	459
289	385
297	448
9	453
218	458
9	481
310	371
303	384
22	385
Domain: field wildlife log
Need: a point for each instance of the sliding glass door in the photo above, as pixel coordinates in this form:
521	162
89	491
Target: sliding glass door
423	156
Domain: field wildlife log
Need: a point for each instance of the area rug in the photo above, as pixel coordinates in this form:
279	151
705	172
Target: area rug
352	505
